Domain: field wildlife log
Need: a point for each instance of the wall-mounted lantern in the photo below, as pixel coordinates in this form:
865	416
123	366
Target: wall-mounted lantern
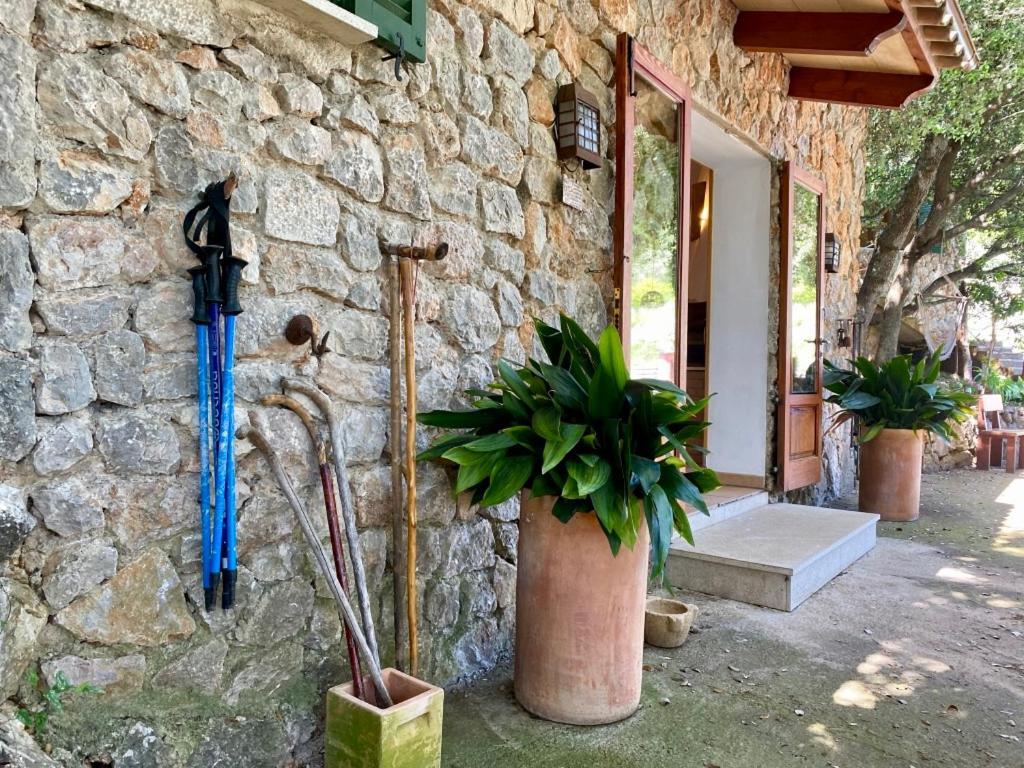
578	126
833	253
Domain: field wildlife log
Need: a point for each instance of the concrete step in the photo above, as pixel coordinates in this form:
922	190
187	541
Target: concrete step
726	503
775	555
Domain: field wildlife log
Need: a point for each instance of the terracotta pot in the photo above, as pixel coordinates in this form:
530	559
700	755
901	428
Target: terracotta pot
579	618
890	475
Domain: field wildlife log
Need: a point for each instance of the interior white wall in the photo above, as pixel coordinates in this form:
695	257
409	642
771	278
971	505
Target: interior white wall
738	323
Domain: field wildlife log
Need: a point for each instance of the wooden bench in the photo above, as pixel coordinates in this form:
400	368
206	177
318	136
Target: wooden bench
992	436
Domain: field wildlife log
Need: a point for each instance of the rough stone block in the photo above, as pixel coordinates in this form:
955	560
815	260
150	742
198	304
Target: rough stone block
76	569
16	283
142	605
66	383
356	165
138	443
17	122
62	444
299	209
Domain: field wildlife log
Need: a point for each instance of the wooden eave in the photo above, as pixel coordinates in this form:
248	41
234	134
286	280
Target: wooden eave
879	53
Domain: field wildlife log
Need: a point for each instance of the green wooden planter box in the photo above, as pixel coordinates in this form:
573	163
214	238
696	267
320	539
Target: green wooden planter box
406	735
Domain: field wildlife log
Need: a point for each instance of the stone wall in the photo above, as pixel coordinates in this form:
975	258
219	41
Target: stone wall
114	114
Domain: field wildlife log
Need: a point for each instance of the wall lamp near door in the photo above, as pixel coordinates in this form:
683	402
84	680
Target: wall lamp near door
578	126
833	253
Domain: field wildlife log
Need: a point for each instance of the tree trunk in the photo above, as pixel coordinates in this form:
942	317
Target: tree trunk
892	313
889	331
898	233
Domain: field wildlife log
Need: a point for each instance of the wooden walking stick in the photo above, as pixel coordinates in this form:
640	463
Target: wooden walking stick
256	435
330	506
395	447
348	515
407	255
406	268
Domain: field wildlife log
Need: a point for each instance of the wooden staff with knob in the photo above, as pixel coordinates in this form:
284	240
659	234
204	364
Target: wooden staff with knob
407	255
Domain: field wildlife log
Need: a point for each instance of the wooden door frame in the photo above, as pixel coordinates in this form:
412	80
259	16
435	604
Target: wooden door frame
633	60
807	471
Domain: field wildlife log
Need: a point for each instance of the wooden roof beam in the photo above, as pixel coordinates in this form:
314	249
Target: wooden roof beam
831	34
864	89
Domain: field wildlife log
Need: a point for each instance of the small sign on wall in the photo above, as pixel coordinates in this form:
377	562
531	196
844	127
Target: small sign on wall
572	193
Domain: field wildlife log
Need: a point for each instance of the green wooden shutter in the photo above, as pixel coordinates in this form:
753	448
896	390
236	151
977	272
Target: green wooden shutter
407	18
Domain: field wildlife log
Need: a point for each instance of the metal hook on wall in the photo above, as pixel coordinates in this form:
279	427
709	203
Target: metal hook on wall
397	57
302	329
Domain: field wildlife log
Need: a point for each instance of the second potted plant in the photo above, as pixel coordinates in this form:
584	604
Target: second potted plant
896	402
604	469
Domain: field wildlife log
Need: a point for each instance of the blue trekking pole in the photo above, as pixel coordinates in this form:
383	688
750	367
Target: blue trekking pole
215	254
232	308
201	320
214	298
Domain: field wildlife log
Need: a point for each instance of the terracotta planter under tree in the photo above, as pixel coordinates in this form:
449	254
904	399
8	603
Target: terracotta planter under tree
603	468
890	475
895	403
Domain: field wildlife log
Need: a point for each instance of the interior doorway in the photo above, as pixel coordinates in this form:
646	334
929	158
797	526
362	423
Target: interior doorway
698	299
692	253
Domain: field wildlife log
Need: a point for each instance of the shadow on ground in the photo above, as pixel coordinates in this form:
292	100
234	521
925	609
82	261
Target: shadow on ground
913	657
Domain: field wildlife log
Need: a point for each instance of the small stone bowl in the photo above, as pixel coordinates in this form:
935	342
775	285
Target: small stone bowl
667	622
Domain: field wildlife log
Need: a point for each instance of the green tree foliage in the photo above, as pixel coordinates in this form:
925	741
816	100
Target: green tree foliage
959	148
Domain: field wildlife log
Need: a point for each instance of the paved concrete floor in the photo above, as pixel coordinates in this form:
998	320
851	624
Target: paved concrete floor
913	657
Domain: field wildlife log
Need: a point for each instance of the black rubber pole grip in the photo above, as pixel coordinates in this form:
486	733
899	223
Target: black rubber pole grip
211	262
227	595
231	278
199	314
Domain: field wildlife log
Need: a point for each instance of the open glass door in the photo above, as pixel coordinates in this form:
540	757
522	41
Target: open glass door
800	343
652	222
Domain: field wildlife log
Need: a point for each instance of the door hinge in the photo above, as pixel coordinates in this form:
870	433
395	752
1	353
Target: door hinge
617	306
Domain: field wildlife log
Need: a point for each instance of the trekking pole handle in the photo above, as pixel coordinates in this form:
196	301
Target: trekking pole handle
232	277
200	316
211	263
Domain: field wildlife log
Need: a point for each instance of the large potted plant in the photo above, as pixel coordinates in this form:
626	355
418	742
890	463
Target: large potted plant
604	469
896	403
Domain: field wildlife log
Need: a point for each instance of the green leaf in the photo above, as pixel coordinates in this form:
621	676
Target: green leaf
613	362
659	519
471	475
547	423
556	450
524	436
478	419
507	478
609	508
569	394
550	339
515	407
589	477
564	509
442	444
646	472
664	386
858	401
678	486
873	431
491	443
543	486
516	384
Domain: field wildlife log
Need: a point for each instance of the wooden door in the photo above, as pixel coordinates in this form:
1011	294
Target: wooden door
801	285
652	220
